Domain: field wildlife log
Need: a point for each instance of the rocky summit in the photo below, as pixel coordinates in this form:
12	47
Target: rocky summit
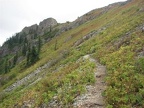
96	61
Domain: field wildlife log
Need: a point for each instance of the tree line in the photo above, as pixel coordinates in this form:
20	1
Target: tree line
29	51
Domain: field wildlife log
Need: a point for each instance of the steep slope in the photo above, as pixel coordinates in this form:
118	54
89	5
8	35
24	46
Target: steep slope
112	35
17	47
93	97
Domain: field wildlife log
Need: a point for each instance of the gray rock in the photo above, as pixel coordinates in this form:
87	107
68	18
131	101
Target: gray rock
143	29
88	36
141	54
46	25
78	42
141	9
30	30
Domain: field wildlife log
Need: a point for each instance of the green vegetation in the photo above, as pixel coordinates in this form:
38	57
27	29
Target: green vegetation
50	34
140	65
6	66
32	56
67	83
118	46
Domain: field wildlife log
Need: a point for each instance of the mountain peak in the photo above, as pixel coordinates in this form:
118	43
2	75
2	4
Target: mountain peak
48	22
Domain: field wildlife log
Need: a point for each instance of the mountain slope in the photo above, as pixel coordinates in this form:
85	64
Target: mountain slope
112	35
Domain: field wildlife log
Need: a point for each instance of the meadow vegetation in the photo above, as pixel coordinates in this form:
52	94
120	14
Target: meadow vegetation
118	47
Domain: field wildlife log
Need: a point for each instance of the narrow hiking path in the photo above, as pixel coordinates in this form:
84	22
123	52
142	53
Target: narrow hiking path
93	97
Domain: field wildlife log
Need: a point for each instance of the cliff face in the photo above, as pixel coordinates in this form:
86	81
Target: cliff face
30	29
29	33
43	26
46	25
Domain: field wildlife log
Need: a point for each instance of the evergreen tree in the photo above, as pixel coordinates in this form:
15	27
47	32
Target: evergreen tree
20	39
15	59
28	55
9	65
28	58
24	50
34	55
55	47
39	45
6	65
25	41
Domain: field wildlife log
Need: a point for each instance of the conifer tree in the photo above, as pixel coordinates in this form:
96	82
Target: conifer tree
39	45
15	59
25	41
24	50
34	55
9	65
28	55
6	65
55	47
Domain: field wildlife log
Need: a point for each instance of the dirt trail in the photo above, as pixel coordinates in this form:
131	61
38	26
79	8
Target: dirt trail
93	97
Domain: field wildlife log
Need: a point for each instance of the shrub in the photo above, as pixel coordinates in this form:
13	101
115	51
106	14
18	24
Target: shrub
140	65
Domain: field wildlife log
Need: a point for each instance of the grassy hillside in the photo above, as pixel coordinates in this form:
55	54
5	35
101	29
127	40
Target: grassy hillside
118	44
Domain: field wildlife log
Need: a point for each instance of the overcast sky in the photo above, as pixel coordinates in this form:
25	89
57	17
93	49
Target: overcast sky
16	14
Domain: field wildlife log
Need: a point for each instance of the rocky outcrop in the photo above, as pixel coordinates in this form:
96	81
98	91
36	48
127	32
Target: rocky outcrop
4	50
88	16
88	36
70	25
30	78
34	76
46	25
30	30
50	22
40	29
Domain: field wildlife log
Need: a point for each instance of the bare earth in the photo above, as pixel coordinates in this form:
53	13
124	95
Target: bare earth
93	97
